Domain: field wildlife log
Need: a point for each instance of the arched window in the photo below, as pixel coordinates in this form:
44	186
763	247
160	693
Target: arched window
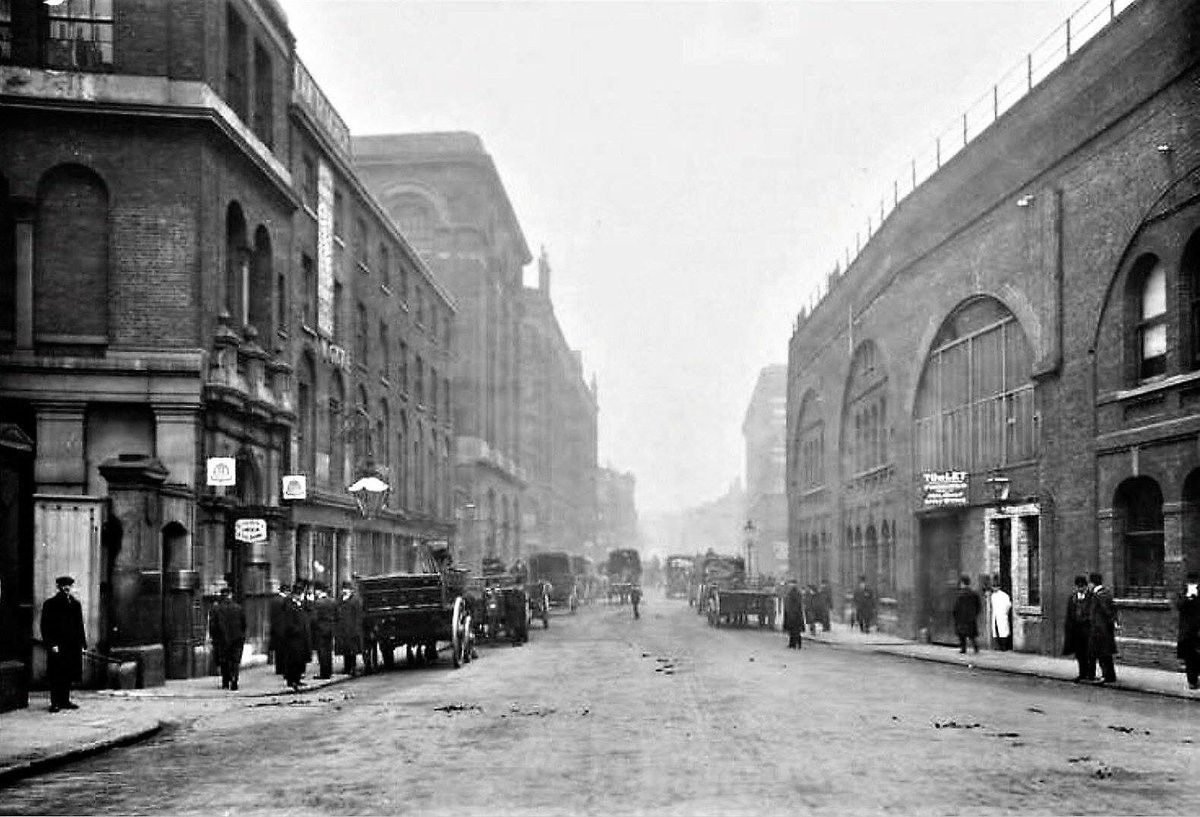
400	468
871	557
385	266
385	351
975	406
866	384
1139	510
1190	272
258	310
71	257
337	431
360	330
1152	317
237	265
418	467
306	425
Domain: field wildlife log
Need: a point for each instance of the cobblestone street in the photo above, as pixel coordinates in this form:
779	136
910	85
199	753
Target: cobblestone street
602	714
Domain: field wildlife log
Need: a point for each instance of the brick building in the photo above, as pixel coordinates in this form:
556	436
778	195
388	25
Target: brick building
443	191
190	269
765	432
1002	383
558	430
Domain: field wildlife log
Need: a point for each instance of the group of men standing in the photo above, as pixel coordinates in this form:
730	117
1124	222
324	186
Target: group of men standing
1091	629
303	618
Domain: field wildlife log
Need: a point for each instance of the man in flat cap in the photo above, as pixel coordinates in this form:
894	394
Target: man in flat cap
63	636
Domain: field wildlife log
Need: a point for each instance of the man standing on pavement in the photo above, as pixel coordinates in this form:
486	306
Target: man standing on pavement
864	605
793	616
1078	630
349	628
1187	647
63	636
826	605
324	620
295	642
1001	604
635	596
275	613
227	628
966	615
1102	640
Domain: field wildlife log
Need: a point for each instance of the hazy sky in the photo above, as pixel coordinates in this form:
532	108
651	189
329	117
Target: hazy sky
691	168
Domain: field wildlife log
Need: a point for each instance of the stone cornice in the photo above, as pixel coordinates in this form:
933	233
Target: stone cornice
129	95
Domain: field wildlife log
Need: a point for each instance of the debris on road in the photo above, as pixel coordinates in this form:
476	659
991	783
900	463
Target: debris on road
450	708
955	725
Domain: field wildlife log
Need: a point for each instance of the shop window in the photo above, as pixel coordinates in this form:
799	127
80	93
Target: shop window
1152	323
1031	532
79	35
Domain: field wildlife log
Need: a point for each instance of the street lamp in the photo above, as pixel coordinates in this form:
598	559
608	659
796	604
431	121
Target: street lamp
370	494
749	529
999	484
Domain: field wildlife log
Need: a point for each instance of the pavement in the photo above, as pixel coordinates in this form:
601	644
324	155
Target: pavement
1142	680
33	740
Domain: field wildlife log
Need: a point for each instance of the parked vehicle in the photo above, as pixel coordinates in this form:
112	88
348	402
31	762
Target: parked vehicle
418	610
499	604
679	575
554	569
726	598
624	570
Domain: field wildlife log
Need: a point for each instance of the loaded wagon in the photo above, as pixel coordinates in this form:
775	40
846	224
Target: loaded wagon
624	570
679	575
417	611
499	607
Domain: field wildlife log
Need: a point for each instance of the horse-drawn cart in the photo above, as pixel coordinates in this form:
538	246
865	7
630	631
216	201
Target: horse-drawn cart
416	610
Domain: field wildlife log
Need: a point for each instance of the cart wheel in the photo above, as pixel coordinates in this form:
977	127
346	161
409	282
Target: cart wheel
457	637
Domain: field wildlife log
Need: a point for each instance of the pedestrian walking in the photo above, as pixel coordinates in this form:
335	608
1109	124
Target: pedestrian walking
966	615
275	613
227	628
349	628
324	620
1187	647
1001	604
1102	639
809	603
295	640
793	616
1078	630
825	594
635	597
65	640
864	605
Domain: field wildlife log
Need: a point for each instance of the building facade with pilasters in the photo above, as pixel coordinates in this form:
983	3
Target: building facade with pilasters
444	193
159	277
1000	385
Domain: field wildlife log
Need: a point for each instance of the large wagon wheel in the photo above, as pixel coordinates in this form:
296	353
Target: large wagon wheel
457	636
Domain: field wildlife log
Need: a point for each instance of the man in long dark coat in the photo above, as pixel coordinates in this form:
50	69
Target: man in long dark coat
1102	615
966	615
227	628
793	616
825	593
1078	630
349	628
1187	648
864	605
64	639
295	641
275	613
324	620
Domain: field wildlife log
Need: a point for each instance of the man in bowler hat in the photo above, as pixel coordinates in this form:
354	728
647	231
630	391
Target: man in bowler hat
227	627
62	633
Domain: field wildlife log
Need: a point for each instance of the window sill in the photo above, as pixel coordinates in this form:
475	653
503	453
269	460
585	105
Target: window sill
1162	383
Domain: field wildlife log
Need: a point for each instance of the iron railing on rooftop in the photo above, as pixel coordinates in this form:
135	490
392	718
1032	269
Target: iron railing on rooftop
1092	17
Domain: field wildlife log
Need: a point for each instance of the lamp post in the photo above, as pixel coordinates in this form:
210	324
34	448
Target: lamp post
749	529
999	484
370	495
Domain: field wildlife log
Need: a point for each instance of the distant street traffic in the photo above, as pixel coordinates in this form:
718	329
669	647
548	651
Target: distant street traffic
602	714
